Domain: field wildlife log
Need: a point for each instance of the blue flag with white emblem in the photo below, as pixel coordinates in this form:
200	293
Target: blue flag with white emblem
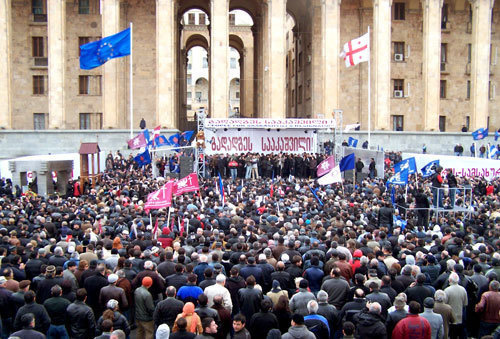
492	153
96	53
406	164
428	169
352	142
400	178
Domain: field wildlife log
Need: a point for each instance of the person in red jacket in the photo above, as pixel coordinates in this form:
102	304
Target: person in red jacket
413	326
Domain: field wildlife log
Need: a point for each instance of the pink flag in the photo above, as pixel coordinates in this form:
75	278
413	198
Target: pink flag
137	142
326	166
186	184
161	198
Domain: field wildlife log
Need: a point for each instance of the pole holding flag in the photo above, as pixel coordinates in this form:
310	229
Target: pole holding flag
131	75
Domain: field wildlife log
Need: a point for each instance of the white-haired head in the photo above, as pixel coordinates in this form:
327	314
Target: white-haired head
453	279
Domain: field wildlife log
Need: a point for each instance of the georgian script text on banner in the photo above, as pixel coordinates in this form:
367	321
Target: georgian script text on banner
269	123
462	166
260	141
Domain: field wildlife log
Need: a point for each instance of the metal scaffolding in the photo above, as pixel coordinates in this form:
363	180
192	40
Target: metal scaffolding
337	135
200	151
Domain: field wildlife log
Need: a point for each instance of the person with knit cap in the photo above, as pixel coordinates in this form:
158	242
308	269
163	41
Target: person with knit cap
144	309
193	320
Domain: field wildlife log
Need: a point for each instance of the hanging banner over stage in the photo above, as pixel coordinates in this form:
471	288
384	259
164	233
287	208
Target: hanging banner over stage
260	141
269	123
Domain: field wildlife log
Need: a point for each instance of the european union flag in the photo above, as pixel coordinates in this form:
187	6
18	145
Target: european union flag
428	170
143	159
352	142
347	162
96	53
480	134
406	164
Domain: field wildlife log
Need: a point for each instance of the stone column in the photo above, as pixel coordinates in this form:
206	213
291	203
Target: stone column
480	68
165	63
431	70
381	68
276	59
5	36
56	27
110	100
326	61
219	49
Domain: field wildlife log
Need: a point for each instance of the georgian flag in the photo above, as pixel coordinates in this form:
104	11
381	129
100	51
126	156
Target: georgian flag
356	50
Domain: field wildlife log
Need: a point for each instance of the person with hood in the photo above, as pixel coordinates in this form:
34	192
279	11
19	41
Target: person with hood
369	322
163	331
193	320
298	329
276	292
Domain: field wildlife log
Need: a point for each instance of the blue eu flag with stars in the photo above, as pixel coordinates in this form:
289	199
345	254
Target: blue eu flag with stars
96	53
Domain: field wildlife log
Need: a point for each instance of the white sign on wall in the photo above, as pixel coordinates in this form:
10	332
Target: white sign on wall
260	141
462	166
269	123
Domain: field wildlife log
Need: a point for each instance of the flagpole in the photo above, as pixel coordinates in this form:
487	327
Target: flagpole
131	100
369	92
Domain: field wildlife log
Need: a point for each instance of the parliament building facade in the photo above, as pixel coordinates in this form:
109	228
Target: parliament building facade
434	63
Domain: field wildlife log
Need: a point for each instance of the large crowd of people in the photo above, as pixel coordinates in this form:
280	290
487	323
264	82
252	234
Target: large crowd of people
280	257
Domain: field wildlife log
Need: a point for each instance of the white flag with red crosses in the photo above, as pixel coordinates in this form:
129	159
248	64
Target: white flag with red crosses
356	50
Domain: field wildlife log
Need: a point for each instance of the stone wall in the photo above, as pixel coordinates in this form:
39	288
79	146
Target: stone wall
21	143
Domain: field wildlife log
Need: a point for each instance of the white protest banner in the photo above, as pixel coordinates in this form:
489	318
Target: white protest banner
260	141
462	166
269	123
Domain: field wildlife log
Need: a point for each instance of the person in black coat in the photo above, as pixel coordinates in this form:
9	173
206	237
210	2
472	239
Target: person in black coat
419	292
42	319
93	285
166	311
249	298
369	323
80	318
44	286
264	321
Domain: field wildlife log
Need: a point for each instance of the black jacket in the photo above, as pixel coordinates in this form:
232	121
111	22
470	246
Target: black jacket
93	285
250	299
177	280
42	319
234	284
81	321
166	311
369	325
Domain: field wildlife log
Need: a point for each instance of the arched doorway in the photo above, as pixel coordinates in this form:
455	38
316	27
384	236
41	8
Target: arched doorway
194	65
